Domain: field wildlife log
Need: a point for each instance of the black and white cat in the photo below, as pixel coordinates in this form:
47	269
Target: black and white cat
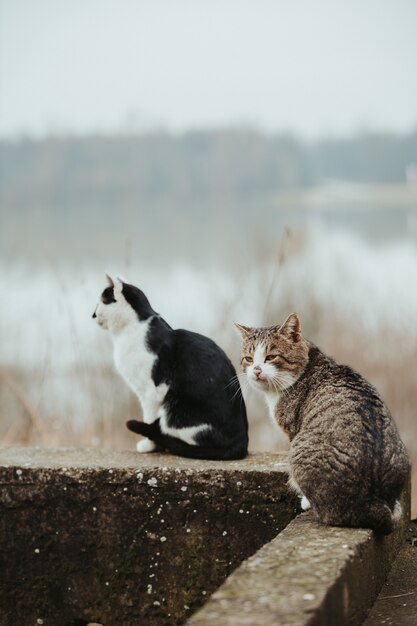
190	395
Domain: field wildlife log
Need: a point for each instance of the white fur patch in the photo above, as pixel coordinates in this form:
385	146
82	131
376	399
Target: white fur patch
272	398
145	445
305	503
186	434
258	362
135	362
397	512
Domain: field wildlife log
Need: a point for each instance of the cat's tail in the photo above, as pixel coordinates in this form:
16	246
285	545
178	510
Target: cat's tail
141	428
235	450
181	448
378	516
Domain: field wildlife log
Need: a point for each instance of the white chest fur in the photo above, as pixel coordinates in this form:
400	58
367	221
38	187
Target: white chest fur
135	361
272	399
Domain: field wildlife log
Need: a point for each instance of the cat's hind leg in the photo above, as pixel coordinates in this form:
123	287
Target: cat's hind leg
358	513
376	515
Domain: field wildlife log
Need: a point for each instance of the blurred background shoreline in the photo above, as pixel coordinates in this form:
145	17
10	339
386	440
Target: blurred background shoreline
83	197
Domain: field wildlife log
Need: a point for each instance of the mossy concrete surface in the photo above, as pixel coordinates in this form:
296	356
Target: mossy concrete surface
123	539
310	574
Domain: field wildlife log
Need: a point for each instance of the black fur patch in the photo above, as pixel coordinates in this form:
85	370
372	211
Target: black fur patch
138	301
107	297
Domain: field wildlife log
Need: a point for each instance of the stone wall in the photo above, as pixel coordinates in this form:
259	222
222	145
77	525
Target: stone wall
123	539
309	575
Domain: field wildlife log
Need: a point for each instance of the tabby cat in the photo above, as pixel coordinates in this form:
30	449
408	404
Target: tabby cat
347	460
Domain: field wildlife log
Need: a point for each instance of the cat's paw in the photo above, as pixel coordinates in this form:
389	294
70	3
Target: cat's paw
397	513
305	503
145	445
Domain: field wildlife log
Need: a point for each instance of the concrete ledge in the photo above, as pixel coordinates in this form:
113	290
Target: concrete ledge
123	539
309	574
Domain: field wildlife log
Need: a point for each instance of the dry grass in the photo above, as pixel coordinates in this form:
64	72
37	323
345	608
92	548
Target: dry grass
100	423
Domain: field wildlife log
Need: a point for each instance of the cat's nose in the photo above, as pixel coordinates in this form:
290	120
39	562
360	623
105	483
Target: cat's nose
94	315
257	371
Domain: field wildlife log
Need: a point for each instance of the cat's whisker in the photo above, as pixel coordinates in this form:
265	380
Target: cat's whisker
274	385
280	385
246	388
235	384
236	378
244	385
233	381
277	387
237	392
271	385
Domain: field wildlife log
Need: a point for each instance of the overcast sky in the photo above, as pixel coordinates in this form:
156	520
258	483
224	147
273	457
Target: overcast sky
312	67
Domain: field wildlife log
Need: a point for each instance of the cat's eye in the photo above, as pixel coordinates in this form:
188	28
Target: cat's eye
248	359
270	357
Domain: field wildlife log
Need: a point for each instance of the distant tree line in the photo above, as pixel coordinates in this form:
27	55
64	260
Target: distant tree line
159	167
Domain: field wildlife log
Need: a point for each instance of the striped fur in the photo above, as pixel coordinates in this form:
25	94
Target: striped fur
346	456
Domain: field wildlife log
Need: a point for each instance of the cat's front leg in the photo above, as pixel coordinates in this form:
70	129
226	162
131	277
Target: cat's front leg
150	407
304	501
149	417
150	414
152	402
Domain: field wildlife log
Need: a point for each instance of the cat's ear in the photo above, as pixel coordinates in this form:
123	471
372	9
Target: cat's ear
243	330
110	280
117	285
291	328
